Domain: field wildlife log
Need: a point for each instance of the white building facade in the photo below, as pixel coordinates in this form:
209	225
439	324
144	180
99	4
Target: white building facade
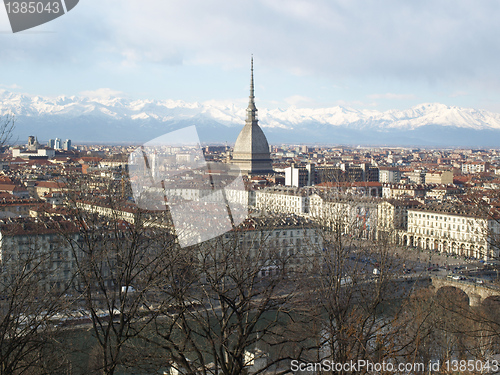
282	200
458	233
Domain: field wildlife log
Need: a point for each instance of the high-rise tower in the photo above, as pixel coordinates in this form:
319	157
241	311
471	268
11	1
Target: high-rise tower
251	150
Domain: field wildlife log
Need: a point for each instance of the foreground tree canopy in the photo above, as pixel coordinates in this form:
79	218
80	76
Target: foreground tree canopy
276	289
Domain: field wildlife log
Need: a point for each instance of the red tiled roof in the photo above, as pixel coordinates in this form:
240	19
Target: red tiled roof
27	226
351	184
49	184
90	159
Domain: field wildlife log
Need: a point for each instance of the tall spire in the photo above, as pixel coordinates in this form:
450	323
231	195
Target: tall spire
251	110
252	96
251	150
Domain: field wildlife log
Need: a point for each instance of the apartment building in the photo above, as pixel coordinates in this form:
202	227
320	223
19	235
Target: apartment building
272	241
475	167
392	217
439	177
451	229
353	215
35	247
389	175
283	200
403	191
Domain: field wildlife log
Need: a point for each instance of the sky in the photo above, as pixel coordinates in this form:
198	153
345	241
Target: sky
362	54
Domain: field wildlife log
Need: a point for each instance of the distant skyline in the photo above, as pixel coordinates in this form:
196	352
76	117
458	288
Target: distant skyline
309	53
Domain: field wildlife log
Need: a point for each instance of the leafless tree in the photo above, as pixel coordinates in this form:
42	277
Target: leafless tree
232	314
356	290
7	125
120	259
31	304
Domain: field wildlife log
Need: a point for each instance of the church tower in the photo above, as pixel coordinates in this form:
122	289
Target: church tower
251	150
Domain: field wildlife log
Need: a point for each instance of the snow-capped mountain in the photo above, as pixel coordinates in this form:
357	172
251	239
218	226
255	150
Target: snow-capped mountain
123	120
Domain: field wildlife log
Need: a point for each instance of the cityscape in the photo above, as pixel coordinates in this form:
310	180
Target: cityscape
183	258
249	188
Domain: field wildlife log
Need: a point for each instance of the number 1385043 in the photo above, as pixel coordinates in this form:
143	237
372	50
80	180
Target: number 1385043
32	7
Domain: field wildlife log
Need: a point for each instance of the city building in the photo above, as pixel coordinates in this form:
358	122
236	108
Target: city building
274	240
352	215
452	229
439	177
41	249
251	150
475	167
67	145
282	200
416	177
300	176
33	150
14	208
33	144
392	217
443	192
310	175
404	191
367	189
389	175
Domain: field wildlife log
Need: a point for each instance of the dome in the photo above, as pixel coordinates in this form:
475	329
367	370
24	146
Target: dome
251	150
251	140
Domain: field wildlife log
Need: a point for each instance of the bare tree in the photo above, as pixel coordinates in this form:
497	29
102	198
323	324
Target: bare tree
31	301
119	260
232	314
7	125
357	296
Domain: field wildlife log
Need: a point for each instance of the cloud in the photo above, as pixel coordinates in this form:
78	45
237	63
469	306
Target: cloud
392	96
12	87
102	93
339	40
240	102
458	94
355	104
407	41
299	100
75	38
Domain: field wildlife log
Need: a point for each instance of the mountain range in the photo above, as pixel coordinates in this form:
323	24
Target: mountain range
119	120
